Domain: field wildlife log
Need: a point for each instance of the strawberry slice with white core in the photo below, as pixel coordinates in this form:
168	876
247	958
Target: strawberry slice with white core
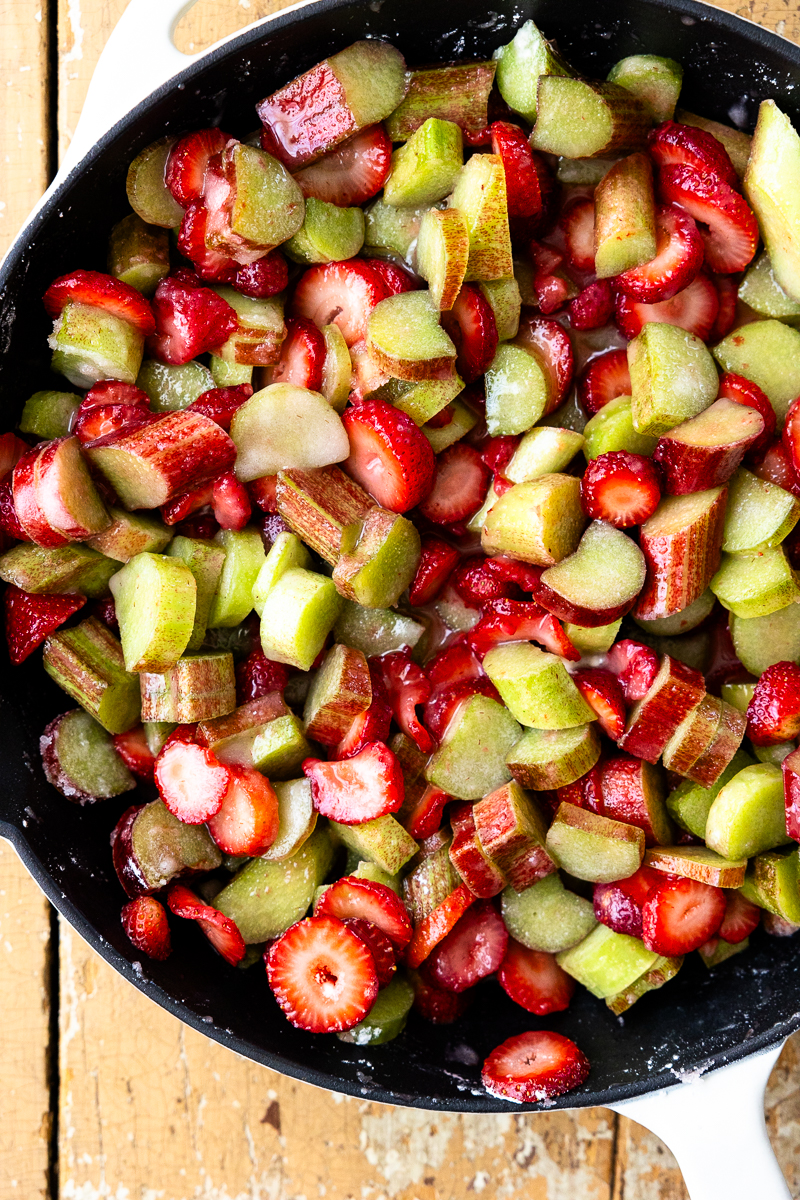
352	173
593	306
619	905
105	420
302	356
339	293
379	946
679	257
247	821
437	560
635	666
534	980
389	455
604	379
680	914
741	917
188	159
472	328
145	923
519	621
551	342
459	486
744	391
694	309
603	693
134	751
371	901
230	502
577	225
192	782
100	291
190	319
727	223
533	1066
406	686
621	488
674	145
220	930
521	166
396	279
472	950
361	788
29	619
322	975
211	265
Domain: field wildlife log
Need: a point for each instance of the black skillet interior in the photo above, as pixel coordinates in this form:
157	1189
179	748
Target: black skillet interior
699	1020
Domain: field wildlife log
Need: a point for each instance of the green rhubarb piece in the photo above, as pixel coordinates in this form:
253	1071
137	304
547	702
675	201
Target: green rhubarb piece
205	561
138	254
442	254
405	339
542	451
546	916
716	950
602	576
129	534
286	551
738	694
90	344
755	585
759	514
375	631
760	642
430	883
382	564
748	815
470	761
328	234
655	81
86	662
72	570
480	195
299	613
268	206
774	754
458	93
539	522
625	217
199	687
673	377
297	818
244	558
698	863
521	63
476	523
772	185
387	1018
517	390
164	847
422	400
49	414
172	388
285	427
281	747
592	847
81	760
231	736
383	841
504	297
325	508
579	118
154	598
148	194
389	230
425	169
761	291
768	353
455	612
680	622
261	329
612	428
536	687
586	172
773	882
606	962
462	420
337	368
660	973
229	374
156	734
376	874
735	141
597	640
266	897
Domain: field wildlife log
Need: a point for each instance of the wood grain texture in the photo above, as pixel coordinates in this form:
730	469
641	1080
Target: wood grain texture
23	112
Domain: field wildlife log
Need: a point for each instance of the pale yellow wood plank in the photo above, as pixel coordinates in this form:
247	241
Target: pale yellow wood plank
83	29
23	112
782	16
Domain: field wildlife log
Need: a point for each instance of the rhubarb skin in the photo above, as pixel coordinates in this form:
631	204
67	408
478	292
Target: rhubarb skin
694	466
791	789
681	544
727	740
675	691
325	508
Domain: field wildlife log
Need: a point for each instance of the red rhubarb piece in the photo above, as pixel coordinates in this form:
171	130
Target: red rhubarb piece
741	917
577	224
674	145
220	930
621	488
694	309
680	914
728	226
459	486
472	328
145	923
247	822
603	693
134	751
534	1066
472	950
791	435
322	975
220	404
191	781
360	788
340	293
190	319
745	392
406	686
12	449
773	714
100	291
534	980
435	927
29	511
186	166
679	257
619	905
519	620
605	378
374	902
352	173
370	726
29	619
435	566
389	455
302	356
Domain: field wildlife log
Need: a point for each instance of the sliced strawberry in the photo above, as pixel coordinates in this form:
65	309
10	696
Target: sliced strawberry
265	277
322	975
191	781
476	584
190	319
679	914
519	620
186	166
379	946
524	575
551	342
374	902
220	930
302	356
604	378
189	502
105	420
635	666
551	285
370	726
247	822
230	502
395	278
523	171
473	949
406	686
434	928
29	619
435	1004
744	391
619	905
674	145
592	307
389	455
534	980
621	488
427	814
459	486
729	228
134	751
113	391
435	565
446	702
728	295
340	293
776	467
694	309
453	664
9	521
360	788
258	675
352	173
679	257
12	449
100	291
773	714
586	792
220	404
145	923
534	1066
577	224
472	328
741	917
603	693
213	266
497	452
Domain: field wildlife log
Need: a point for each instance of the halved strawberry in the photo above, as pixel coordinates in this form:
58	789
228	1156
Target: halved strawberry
339	293
458	487
435	1004
679	914
447	701
694	309
519	620
220	404
524	575
744	391
396	279
100	291
134	751
322	975
192	782
220	930
379	946
586	792
213	266
453	664
247	822
389	455
728	295
523	171
302	356
9	521
673	145
621	488
186	166
593	306
426	815
360	788
741	917
679	257
258	675
472	328
352	173
603	693
473	949
434	928
29	619
619	905
265	277
776	467
103	420
577	224
370	726
435	565
727	224
145	923
406	686
187	503
534	1066
551	342
374	902
604	378
476	584
190	319
635	666
773	714
534	980
497	452
230	502
113	391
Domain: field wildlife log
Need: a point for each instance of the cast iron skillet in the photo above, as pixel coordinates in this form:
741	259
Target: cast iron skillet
698	1021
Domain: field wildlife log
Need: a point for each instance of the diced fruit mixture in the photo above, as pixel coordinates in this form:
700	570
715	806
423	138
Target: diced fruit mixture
416	533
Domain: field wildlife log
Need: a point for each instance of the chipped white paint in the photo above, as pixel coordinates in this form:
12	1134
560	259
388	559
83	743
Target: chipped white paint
75	52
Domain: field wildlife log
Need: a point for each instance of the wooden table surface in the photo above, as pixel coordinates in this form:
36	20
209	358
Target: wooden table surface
102	1094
